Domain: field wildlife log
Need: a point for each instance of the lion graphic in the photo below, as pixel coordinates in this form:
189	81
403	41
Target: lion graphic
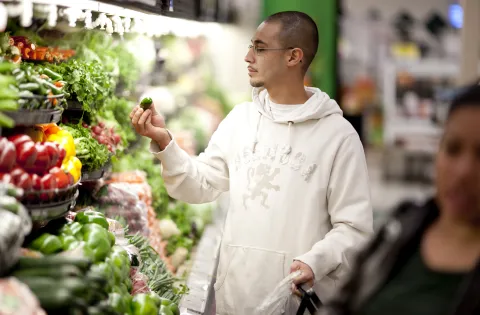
259	182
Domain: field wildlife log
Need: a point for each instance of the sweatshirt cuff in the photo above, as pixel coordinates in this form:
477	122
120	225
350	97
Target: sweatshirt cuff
319	270
172	157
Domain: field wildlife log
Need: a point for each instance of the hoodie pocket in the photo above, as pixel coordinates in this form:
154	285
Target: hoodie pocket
247	276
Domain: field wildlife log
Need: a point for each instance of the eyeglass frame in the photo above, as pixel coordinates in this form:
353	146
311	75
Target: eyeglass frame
256	48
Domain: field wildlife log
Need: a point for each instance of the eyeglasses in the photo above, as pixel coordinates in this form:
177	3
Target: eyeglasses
257	50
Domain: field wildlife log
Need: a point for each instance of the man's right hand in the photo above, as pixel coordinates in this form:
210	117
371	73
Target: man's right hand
151	124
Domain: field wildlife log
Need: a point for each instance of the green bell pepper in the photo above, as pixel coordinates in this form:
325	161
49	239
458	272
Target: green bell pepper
143	304
90	216
121	270
73	229
166	303
104	270
165	310
111	237
119	303
47	244
97	242
68	242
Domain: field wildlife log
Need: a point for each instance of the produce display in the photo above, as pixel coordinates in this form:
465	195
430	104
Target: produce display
39	87
117	244
8	93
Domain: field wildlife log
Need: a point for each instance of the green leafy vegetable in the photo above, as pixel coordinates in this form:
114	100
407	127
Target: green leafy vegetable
87	82
92	154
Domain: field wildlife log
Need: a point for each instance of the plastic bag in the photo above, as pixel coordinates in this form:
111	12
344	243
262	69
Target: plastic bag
134	214
139	282
280	300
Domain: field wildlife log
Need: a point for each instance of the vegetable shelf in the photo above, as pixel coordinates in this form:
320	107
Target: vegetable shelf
97	174
50	211
24	117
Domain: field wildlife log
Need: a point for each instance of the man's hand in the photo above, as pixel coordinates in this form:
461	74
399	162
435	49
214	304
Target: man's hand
150	123
307	276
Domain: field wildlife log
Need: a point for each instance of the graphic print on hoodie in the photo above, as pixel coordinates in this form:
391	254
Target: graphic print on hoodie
298	188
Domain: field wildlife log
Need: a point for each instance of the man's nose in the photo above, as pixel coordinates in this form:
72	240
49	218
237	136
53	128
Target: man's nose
249	56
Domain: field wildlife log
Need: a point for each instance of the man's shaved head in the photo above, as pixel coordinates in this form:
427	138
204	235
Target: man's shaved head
298	31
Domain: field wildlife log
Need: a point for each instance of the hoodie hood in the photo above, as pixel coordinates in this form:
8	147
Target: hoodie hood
318	106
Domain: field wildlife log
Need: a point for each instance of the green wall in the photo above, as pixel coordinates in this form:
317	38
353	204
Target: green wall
324	12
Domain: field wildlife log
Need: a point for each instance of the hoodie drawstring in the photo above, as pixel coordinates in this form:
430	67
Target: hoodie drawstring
288	147
255	138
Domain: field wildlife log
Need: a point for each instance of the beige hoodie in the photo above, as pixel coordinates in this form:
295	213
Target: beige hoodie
298	190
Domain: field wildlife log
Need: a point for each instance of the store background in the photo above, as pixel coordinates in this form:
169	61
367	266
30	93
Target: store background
391	71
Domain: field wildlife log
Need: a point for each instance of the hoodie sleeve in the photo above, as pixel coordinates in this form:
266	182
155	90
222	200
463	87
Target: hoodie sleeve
197	180
350	211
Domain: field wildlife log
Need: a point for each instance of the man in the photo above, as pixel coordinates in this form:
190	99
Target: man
294	168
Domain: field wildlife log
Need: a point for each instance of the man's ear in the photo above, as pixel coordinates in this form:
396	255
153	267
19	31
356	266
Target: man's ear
295	57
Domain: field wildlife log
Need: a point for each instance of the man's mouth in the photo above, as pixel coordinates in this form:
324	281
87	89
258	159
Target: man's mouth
250	70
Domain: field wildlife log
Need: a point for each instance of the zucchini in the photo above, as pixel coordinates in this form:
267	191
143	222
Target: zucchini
58	272
38	284
54	262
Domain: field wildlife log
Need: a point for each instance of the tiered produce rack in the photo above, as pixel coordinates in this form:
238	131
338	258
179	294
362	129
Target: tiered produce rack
86	224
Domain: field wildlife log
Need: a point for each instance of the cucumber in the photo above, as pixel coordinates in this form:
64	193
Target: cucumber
57	272
53	261
76	286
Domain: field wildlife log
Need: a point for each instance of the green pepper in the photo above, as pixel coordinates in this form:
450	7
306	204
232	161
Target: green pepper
143	304
121	269
90	216
29	87
97	242
166	303
165	310
52	74
8	93
47	244
74	229
111	237
104	270
20	77
119	303
68	242
146	103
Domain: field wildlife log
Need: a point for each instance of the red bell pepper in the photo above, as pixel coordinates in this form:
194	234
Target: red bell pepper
6	178
61	156
53	150
20	178
47	182
8	155
61	178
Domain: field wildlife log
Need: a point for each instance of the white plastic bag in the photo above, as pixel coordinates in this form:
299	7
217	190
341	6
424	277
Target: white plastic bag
281	300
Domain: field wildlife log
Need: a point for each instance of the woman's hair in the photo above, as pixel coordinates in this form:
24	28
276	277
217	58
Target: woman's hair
468	97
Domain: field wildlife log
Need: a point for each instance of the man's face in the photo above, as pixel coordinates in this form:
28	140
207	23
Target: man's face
266	63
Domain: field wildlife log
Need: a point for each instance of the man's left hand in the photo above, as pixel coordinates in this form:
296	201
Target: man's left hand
307	276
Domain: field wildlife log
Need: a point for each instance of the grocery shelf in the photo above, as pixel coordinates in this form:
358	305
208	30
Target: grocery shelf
25	117
96	175
50	211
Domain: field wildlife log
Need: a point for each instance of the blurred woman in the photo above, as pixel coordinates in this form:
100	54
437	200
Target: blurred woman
425	259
